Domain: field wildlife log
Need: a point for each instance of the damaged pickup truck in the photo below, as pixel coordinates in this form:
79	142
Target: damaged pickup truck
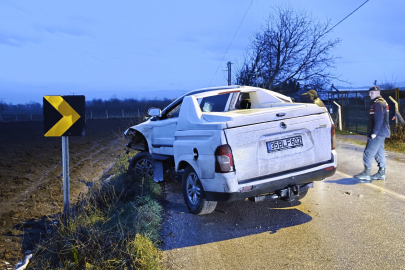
235	142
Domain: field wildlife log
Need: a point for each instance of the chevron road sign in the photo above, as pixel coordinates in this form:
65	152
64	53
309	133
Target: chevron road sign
64	116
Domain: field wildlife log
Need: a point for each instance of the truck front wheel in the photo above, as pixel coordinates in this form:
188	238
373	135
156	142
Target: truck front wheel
141	164
194	195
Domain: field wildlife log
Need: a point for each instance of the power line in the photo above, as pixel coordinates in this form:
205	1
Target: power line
245	16
346	17
231	42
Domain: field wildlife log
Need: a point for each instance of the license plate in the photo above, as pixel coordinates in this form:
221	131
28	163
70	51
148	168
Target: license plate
284	144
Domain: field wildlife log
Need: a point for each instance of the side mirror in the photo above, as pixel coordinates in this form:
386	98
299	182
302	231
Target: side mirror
154	111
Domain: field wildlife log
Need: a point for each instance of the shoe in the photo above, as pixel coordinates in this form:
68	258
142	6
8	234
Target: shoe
380	175
364	177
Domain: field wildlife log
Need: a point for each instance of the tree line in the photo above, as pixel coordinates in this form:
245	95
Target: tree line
31	107
129	105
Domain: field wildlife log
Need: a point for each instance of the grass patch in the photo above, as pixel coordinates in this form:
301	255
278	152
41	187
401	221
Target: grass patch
394	146
396	142
346	132
398	133
115	226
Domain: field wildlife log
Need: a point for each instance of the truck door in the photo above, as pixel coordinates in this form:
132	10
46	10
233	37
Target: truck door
163	132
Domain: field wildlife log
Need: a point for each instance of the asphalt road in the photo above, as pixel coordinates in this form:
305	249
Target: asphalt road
340	224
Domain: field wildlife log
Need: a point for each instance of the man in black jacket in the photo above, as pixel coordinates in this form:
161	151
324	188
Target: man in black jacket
378	130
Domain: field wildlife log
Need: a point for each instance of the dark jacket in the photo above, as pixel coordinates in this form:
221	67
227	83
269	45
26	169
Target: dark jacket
378	123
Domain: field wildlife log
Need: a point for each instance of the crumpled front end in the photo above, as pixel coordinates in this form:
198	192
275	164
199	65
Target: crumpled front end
137	141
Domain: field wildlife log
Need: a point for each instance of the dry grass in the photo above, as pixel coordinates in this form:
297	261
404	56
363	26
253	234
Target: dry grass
396	142
398	134
115	227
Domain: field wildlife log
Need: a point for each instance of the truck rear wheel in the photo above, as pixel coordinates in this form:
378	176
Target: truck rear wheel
194	195
141	164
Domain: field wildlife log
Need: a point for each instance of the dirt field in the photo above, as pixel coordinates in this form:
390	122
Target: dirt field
31	177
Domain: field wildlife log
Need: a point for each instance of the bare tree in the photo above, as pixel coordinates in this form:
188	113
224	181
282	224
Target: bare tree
292	46
387	85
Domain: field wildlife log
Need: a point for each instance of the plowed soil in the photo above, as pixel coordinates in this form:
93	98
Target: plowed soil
31	193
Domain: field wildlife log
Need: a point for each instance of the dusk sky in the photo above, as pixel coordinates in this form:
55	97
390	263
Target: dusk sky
133	49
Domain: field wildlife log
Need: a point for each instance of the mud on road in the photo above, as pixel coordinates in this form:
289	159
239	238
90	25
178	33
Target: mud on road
31	176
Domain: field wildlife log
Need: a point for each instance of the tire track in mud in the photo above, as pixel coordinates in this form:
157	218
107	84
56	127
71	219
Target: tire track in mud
55	174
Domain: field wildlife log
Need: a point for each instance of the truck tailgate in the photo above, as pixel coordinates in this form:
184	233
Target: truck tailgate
278	146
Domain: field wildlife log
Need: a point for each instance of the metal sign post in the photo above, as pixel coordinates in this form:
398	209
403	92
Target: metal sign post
65	169
64	116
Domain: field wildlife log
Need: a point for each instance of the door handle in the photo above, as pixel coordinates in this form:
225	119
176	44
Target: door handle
280	114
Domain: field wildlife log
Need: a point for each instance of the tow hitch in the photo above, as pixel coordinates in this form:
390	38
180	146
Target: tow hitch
288	193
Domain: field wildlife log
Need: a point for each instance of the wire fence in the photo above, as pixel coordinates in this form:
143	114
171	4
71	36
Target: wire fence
100	114
106	114
20	117
355	108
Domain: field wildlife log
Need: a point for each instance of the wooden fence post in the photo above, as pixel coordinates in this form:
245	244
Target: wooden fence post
340	115
397	94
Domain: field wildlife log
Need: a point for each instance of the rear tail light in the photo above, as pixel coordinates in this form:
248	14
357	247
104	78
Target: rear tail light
223	159
332	133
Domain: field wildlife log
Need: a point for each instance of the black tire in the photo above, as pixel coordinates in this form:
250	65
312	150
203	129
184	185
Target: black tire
194	195
141	164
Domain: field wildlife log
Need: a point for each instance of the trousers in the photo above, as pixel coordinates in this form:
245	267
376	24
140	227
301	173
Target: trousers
374	150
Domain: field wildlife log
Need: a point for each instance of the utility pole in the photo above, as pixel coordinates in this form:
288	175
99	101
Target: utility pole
73	93
229	72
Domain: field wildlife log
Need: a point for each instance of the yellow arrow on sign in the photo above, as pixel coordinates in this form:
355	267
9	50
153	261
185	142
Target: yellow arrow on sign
70	116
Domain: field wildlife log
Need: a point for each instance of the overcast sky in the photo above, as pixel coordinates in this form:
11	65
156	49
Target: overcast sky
130	49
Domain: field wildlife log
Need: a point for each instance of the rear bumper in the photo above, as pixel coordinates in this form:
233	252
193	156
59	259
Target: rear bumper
225	186
271	186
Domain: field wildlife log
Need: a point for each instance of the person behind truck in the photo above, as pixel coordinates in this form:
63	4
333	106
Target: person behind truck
378	130
312	97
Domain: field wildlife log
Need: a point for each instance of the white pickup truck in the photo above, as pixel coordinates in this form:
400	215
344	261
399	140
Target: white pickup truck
235	142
